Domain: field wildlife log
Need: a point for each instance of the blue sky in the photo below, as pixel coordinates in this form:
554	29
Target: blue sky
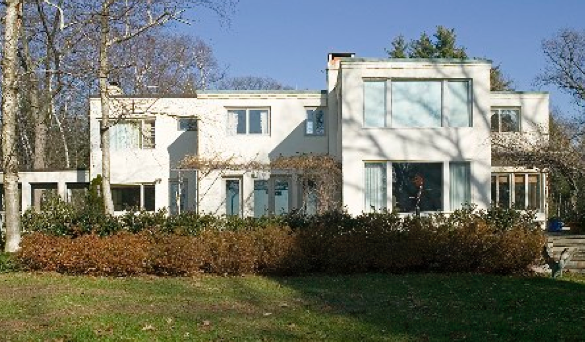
289	40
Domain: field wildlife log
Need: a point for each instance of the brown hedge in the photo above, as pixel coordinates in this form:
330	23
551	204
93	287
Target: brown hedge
375	246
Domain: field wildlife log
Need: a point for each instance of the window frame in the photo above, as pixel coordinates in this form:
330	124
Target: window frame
240	195
444	106
499	110
141	195
247	110
147	141
512	204
191	125
310	116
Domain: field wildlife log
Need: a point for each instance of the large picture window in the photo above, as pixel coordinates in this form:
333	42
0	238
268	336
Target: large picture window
127	197
417	185
248	121
418	103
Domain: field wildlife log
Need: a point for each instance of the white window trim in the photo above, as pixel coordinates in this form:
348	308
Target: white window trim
248	109
143	138
499	109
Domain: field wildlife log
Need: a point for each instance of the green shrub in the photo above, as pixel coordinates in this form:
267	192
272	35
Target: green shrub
8	263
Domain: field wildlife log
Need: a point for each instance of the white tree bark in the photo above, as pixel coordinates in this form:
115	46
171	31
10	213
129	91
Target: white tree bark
105	106
12	22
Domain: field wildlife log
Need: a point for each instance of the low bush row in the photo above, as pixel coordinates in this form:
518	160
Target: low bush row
495	241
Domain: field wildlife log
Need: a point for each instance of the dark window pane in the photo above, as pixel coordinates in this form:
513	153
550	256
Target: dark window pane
232	197
149	197
417	184
126	197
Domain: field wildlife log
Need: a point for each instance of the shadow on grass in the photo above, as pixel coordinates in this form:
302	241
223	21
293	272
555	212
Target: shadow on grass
431	307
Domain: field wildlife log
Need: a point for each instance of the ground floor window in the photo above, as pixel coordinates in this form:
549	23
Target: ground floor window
272	196
460	188
522	191
233	197
129	197
42	193
375	186
417	186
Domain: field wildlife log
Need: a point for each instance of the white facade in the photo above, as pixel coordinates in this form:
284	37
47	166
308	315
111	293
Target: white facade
411	134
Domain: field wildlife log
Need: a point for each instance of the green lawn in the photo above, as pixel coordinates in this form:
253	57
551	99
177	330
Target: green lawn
425	307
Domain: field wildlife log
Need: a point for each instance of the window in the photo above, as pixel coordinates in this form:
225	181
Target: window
128	134
272	196
375	187
415	103
517	190
315	123
417	185
178	193
309	197
375	103
460	192
248	121
505	120
260	198
126	197
187	124
232	197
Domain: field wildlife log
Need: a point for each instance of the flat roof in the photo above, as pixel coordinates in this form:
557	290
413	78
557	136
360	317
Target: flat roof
416	60
221	92
518	92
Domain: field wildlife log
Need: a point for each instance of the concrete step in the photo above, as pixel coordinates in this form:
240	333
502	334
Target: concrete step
576	244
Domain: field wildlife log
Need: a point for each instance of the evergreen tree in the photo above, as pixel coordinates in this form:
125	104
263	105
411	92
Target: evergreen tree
444	45
423	47
399	48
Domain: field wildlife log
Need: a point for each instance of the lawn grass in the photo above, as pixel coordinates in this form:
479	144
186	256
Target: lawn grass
374	307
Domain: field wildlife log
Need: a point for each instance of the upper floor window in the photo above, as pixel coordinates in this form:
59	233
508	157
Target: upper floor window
248	121
417	103
187	124
505	120
128	134
315	123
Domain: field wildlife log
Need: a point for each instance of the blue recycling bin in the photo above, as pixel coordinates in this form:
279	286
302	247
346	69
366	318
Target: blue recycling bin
555	225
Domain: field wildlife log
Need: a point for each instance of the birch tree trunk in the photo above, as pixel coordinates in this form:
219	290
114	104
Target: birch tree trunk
104	72
12	22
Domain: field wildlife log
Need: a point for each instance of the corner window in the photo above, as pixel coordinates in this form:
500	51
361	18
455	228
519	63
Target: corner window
248	121
505	120
132	134
315	123
418	103
187	124
521	191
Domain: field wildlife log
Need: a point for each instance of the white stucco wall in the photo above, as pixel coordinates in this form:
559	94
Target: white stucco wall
442	144
286	137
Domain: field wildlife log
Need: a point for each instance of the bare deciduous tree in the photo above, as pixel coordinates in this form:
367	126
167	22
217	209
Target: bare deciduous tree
12	22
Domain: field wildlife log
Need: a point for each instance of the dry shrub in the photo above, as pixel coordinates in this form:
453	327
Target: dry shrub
333	243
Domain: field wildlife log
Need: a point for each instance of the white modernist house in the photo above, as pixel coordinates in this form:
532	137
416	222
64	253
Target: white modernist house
410	135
